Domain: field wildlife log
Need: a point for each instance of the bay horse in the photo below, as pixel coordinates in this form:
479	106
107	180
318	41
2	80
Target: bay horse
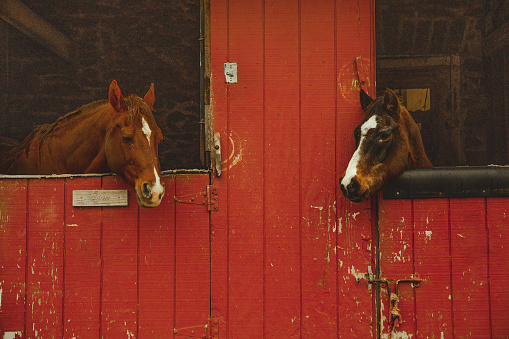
388	143
118	135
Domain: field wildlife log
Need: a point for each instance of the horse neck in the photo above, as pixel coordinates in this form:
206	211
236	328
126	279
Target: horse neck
76	140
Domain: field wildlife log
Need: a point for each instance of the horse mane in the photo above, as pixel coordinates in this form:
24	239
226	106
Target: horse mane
40	132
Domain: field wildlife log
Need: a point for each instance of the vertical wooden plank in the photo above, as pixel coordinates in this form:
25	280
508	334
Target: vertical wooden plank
397	262
157	266
45	258
354	38
13	207
432	253
219	219
119	265
82	263
192	256
245	171
4	69
317	163
498	231
470	294
281	186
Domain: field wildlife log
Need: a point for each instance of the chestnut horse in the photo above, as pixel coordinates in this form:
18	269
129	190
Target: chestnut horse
388	143
118	135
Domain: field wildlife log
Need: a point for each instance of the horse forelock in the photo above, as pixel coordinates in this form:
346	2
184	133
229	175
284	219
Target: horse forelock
375	108
136	106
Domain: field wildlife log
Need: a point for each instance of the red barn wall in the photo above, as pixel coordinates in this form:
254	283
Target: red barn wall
90	272
284	255
286	248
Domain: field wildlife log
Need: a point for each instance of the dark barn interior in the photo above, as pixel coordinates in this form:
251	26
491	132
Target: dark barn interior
448	60
458	51
57	56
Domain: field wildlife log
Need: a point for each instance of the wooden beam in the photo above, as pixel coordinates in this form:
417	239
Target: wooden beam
497	39
4	70
28	22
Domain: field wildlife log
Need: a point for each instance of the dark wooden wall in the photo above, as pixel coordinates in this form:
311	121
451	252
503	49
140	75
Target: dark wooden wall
462	30
135	43
496	58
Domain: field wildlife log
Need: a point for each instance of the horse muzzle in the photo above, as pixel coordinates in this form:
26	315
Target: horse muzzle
150	194
353	190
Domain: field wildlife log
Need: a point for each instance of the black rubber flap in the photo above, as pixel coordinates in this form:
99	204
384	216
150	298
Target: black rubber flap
450	182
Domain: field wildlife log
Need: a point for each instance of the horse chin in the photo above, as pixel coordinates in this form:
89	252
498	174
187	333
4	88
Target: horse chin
147	203
359	197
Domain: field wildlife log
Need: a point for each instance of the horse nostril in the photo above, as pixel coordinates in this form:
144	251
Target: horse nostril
146	190
353	187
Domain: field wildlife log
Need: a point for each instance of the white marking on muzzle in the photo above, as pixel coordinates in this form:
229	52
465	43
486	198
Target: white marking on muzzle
146	129
351	170
157	188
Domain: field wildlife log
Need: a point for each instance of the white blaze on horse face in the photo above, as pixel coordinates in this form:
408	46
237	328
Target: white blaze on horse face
146	129
351	170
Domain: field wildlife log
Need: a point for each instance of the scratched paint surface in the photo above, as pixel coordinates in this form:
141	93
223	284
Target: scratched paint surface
457	248
285	255
87	272
288	252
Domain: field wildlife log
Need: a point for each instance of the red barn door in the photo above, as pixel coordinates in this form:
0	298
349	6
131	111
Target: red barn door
113	272
458	249
288	252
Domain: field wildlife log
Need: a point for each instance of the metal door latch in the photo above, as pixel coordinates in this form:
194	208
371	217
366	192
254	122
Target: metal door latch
230	72
395	317
217	152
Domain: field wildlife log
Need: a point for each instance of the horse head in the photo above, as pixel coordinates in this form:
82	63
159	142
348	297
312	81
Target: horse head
388	143
131	144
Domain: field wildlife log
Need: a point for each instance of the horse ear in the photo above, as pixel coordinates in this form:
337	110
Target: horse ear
391	103
365	100
116	98
149	98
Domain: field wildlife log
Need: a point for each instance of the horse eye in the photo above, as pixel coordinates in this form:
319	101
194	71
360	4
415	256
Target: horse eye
385	136
128	140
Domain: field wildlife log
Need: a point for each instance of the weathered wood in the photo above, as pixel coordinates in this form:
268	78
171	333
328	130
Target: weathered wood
45	258
355	242
119	265
192	256
469	269
4	70
13	252
497	39
84	198
396	262
282	291
431	247
82	293
31	24
316	154
245	173
498	236
156	266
